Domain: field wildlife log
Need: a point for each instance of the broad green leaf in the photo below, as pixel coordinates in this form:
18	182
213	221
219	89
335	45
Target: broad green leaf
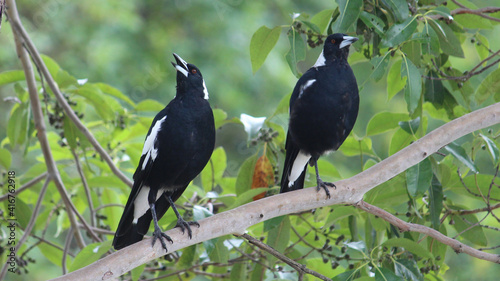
149	105
379	66
384	121
17	128
213	171
11	76
238	272
112	91
322	19
102	105
70	132
200	213
349	13
90	254
340	213
399	140
359	246
434	89
475	234
297	50
5	158
346	276
247	196
137	272
413	88
52	254
398	33
258	273
385	274
418	178
431	44
51	65
262	42
278	238
482	46
490	86
219	253
492	148
408	269
410	246
245	174
312	26
188	257
398	8
410	126
413	49
435	202
395	82
373	21
459	153
18	211
447	39
354	147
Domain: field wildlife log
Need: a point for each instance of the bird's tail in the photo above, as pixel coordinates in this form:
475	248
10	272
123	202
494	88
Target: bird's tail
128	232
292	152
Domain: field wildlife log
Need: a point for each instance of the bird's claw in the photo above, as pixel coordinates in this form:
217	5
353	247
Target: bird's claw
325	185
158	234
186	225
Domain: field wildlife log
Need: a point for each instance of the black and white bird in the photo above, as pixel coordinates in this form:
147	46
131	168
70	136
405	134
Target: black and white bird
178	145
323	109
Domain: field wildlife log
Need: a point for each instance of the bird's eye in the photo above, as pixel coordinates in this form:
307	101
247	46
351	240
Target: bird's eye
333	41
194	71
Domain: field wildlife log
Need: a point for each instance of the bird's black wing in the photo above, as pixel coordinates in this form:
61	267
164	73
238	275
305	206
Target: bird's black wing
292	149
127	232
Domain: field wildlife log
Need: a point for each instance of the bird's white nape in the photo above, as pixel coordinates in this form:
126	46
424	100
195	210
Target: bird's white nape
298	166
205	91
149	149
321	60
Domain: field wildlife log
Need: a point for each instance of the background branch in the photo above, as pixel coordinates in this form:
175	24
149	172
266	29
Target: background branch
349	191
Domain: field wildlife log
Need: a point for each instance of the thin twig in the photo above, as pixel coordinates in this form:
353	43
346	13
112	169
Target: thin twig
300	268
85	187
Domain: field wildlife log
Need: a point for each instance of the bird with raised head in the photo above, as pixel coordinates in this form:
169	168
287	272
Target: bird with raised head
178	145
323	109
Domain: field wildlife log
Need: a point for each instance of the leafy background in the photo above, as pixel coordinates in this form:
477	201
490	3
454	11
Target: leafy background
111	60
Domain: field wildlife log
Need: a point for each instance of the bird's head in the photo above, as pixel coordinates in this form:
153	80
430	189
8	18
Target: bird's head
189	77
337	46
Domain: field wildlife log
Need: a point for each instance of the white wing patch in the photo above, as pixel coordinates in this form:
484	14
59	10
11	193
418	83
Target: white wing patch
297	167
205	91
149	145
321	60
305	86
141	202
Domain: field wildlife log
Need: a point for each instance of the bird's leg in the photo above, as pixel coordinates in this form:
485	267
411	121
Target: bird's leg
158	234
321	183
180	221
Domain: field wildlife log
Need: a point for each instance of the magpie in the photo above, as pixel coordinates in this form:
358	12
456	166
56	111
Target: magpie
323	109
178	145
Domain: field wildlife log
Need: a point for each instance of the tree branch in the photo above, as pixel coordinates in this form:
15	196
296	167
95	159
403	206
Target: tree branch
464	10
349	191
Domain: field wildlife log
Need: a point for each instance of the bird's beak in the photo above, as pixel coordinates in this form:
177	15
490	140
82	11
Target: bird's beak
348	40
181	65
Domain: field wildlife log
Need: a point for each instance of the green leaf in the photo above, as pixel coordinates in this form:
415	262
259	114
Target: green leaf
448	41
435	202
137	272
410	246
247	196
395	82
399	140
11	76
322	19
17	128
354	147
482	46
200	213
346	276
399	33
408	269
149	105
339	213
492	148
379	66
52	254
51	65
5	158
297	50
272	223
238	272
220	253
475	234
490	86
212	173
90	254
413	88
187	258
384	121
94	96
245	175
385	274
373	21
262	42
398	8
410	126
70	132
112	91
349	13
418	178
278	238
431	45
459	153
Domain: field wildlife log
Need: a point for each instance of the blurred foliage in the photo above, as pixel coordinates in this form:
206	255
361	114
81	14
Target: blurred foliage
417	68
